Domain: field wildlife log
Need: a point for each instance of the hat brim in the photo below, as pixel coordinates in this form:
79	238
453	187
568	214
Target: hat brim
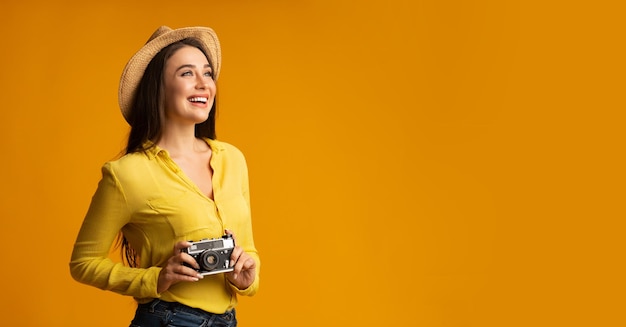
161	38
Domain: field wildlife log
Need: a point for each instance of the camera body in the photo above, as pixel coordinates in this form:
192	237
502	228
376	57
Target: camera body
212	255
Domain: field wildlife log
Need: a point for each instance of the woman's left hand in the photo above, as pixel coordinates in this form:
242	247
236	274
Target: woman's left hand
244	265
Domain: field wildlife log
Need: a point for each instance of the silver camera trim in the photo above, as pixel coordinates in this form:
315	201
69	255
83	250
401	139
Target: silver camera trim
228	244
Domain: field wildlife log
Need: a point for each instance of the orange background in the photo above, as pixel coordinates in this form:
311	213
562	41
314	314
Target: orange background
413	163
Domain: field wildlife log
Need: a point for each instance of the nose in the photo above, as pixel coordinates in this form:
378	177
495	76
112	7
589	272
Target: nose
201	84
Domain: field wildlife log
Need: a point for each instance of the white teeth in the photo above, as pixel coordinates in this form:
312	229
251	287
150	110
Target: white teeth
199	99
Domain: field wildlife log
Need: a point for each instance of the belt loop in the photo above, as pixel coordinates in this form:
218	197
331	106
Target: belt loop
153	305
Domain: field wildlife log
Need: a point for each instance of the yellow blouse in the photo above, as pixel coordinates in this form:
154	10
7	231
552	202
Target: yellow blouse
149	198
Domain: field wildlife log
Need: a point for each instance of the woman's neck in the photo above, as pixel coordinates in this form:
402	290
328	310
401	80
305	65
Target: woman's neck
178	142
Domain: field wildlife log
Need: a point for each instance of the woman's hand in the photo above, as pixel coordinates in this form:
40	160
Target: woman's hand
244	271
175	272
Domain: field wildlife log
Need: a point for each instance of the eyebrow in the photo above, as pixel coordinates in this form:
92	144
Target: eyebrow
191	66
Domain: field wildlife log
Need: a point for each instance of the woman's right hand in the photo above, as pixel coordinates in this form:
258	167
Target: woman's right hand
175	272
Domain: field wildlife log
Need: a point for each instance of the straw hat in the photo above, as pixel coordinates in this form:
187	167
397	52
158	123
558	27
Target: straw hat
162	37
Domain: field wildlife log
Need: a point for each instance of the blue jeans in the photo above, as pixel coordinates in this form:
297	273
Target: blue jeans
159	313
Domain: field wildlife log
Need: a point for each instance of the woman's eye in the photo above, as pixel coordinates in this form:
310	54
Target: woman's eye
208	74
186	74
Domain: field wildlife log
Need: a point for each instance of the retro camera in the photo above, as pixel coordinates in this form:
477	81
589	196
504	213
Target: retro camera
212	255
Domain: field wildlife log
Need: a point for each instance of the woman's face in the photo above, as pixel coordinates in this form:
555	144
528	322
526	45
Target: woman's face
189	87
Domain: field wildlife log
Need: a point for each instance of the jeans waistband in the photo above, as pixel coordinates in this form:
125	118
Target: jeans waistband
159	305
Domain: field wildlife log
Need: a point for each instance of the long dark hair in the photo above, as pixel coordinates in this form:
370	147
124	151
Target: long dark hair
145	117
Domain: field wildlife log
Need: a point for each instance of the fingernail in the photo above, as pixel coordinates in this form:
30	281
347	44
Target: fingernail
200	276
194	279
235	276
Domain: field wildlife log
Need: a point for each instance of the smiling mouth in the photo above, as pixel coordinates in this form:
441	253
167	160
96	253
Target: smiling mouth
202	100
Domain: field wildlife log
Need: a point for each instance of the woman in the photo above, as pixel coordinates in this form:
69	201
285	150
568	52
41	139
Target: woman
175	184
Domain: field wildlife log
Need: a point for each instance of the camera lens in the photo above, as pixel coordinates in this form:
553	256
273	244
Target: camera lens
209	260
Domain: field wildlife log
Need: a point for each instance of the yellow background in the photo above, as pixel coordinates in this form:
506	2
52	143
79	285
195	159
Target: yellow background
413	163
